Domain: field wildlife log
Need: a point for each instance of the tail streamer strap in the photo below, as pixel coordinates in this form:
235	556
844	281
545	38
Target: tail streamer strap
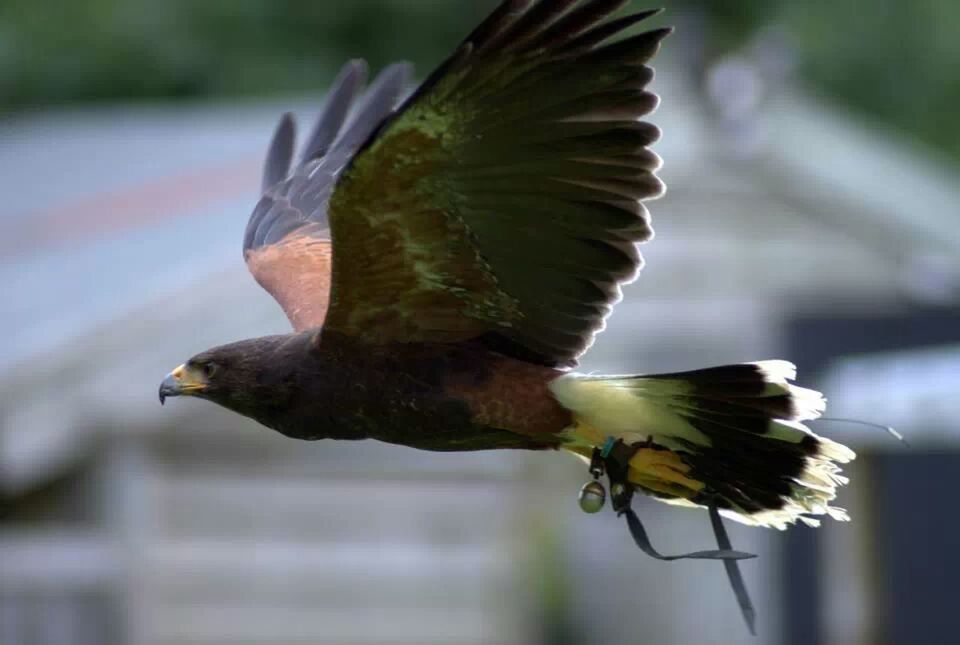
733	571
614	459
725	553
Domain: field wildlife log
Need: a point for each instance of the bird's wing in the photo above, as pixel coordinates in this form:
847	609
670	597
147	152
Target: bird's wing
502	200
287	241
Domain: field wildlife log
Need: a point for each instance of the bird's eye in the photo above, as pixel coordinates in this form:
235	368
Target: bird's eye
209	369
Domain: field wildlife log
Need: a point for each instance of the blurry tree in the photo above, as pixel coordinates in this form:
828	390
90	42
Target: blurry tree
55	51
893	60
896	60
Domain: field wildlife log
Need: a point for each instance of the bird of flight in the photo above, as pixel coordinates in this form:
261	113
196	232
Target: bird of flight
446	258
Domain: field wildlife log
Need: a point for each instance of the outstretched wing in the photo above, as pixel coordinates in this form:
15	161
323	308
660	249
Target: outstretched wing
502	201
287	241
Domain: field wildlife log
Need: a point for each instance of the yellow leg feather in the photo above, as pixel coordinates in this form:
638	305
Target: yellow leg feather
651	463
653	469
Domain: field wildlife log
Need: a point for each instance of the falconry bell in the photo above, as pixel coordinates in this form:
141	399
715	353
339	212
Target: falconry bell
592	497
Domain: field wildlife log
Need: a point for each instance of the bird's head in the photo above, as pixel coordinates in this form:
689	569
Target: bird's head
249	377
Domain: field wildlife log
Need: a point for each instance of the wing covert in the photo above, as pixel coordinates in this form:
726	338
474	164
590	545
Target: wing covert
502	201
287	243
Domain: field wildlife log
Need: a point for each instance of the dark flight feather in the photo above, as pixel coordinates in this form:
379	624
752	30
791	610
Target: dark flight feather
523	120
280	154
339	99
597	35
287	241
376	103
588	15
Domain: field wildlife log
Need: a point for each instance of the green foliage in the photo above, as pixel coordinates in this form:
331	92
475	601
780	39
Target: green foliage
898	61
895	60
54	51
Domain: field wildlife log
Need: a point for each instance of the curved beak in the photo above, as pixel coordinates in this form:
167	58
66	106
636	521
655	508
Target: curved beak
182	381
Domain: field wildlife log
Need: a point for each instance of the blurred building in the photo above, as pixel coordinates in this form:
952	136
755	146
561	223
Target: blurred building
789	231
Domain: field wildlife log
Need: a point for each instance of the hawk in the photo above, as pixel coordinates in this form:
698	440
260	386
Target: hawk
445	258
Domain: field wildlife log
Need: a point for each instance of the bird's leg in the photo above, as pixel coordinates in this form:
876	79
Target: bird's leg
666	470
615	459
596	464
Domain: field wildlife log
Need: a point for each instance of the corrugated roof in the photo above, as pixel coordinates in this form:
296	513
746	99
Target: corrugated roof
104	211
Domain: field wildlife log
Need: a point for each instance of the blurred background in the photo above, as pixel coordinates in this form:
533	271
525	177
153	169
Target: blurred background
812	155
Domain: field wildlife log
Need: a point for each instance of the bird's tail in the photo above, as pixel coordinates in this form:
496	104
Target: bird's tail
732	436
